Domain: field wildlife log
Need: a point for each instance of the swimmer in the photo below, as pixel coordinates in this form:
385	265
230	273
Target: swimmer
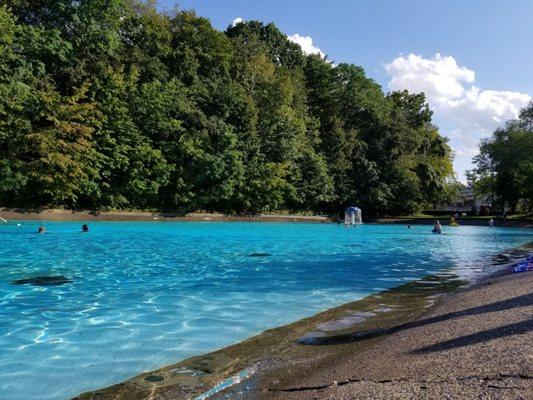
437	228
41	229
409	226
85	228
491	223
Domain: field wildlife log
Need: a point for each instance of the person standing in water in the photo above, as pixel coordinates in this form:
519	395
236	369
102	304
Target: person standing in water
85	228
437	228
491	223
41	229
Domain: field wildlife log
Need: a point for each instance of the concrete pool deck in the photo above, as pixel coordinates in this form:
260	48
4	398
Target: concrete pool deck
476	344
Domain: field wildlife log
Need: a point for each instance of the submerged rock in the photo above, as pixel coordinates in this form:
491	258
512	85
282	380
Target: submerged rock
259	254
43	281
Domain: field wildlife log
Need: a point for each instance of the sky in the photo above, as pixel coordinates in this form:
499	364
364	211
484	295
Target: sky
473	59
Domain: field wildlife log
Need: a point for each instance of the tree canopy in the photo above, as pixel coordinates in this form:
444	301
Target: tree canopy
504	166
112	104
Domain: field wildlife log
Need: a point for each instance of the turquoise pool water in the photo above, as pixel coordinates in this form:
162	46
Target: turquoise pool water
145	294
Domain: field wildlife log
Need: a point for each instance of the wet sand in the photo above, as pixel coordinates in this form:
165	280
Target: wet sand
69	215
413	341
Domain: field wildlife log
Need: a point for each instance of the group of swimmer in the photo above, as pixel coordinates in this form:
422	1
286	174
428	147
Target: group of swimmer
437	227
42	228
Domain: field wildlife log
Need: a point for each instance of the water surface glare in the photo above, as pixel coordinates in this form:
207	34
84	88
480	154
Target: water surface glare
129	297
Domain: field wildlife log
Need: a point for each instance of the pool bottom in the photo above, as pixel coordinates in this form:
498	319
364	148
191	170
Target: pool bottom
351	327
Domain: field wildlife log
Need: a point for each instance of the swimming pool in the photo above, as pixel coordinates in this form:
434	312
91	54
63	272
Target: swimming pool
134	296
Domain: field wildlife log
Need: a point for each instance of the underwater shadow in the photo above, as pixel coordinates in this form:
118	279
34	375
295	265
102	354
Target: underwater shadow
43	281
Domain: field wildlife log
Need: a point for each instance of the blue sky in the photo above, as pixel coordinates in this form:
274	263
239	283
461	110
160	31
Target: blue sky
472	58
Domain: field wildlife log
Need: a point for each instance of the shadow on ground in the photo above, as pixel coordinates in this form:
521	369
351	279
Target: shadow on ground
518	328
515	302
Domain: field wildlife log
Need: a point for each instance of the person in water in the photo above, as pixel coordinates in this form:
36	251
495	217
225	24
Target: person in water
41	229
85	228
491	223
437	228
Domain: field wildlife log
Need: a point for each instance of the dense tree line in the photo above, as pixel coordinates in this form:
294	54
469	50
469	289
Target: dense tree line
504	166
112	104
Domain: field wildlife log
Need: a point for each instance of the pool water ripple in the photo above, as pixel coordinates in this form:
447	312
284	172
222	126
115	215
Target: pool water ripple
147	294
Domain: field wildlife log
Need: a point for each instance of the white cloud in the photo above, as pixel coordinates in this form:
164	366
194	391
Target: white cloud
306	43
484	110
440	77
468	112
236	21
466	145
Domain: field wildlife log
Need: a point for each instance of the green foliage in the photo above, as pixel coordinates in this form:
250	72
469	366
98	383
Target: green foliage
111	104
452	192
505	163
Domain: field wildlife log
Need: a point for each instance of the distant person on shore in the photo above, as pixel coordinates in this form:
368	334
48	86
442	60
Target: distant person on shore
437	228
491	223
85	228
41	229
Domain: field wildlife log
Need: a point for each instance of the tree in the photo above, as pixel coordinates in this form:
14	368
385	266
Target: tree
112	104
60	159
131	170
505	162
45	138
